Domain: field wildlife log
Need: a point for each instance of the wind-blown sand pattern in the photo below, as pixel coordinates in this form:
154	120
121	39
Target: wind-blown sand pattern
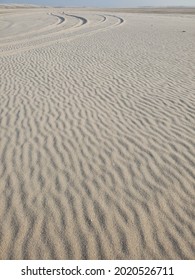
97	135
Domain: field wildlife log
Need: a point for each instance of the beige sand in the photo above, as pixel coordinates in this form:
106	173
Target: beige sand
97	135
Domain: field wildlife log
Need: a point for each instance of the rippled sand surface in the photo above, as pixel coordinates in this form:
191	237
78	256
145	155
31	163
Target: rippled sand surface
97	135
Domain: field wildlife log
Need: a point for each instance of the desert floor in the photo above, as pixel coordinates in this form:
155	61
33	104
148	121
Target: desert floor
97	134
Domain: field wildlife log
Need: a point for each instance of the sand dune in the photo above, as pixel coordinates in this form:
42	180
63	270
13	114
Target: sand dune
97	135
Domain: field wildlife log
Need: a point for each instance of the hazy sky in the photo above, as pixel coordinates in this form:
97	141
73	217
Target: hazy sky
106	3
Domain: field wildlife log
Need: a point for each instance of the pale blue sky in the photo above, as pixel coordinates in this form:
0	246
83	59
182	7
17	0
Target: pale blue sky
106	3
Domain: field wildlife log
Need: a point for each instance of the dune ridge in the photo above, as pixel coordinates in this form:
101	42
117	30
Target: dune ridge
97	135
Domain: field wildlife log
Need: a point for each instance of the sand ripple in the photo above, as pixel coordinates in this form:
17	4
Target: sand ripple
97	136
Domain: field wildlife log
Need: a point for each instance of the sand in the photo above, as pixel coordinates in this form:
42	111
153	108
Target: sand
97	134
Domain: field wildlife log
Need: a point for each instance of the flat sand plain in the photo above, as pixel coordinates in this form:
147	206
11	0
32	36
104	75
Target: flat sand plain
97	134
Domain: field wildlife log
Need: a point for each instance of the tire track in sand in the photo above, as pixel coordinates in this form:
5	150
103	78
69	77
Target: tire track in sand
70	34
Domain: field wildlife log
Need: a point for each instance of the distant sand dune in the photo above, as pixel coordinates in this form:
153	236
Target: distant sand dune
97	135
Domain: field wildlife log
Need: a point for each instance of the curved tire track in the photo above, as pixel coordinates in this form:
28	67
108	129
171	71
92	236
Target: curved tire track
72	30
60	18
